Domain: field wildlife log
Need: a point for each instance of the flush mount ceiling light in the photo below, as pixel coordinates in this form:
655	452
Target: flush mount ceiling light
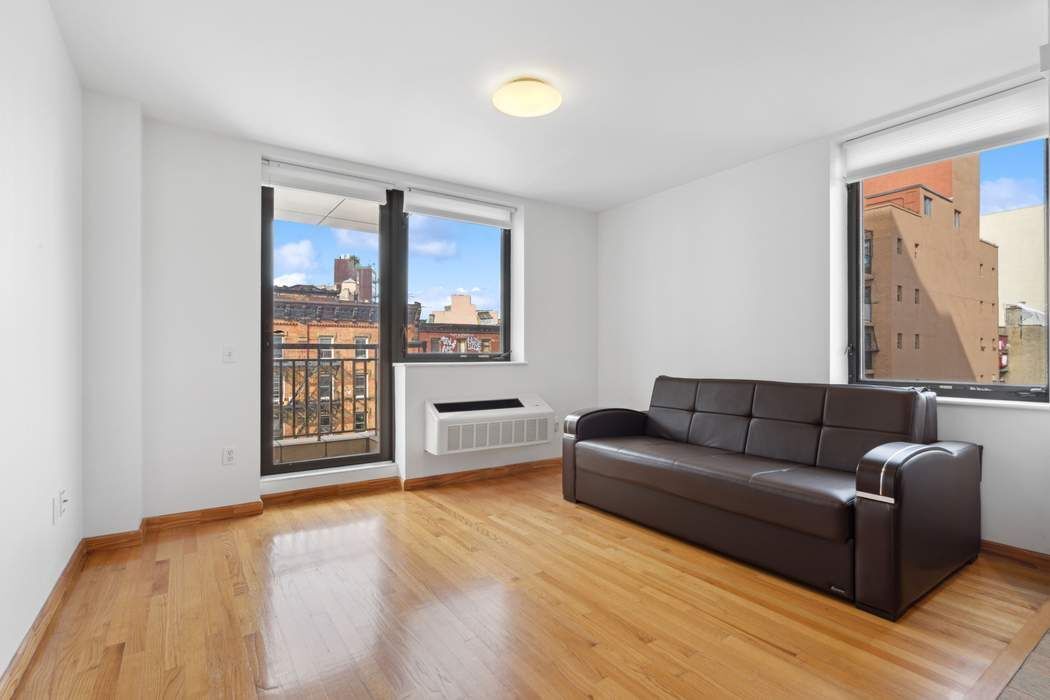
526	97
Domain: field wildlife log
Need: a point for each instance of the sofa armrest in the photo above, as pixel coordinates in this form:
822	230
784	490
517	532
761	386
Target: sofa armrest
917	519
590	423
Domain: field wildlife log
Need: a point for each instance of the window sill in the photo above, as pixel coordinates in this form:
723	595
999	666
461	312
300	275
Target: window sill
512	363
992	403
278	483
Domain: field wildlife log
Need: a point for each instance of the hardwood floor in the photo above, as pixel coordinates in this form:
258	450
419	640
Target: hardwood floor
493	589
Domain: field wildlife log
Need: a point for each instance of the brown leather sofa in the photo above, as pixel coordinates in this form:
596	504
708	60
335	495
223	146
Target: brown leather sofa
845	488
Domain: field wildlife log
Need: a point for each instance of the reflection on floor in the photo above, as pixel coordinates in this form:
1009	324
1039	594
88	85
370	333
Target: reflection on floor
490	589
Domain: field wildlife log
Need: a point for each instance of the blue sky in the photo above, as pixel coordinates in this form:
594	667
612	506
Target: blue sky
445	257
1013	177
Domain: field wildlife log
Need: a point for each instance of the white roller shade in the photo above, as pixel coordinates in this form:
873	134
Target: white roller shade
1010	116
460	208
324	181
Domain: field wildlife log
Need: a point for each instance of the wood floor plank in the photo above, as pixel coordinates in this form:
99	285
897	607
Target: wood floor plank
495	589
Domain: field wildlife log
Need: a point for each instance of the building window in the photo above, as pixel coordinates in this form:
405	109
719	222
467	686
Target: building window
324	386
360	340
324	422
360	385
871	346
867	255
953	295
326	353
900	245
462	246
278	346
277	386
360	422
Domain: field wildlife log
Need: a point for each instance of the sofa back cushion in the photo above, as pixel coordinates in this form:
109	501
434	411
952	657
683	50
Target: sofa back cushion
671	408
830	426
858	418
722	414
785	422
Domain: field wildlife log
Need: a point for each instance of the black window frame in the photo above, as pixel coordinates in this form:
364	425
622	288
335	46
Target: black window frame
384	394
399	296
855	348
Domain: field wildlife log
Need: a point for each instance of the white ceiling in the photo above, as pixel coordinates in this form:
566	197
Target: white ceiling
656	93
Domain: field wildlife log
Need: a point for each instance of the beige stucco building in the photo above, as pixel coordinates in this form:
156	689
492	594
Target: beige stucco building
1021	237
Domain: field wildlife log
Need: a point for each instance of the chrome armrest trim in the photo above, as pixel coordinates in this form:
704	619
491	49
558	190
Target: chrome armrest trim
875	497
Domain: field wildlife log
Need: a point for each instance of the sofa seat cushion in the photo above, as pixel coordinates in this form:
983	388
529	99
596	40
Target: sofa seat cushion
807	499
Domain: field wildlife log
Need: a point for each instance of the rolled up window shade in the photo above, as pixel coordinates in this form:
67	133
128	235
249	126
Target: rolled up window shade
324	181
1010	116
459	208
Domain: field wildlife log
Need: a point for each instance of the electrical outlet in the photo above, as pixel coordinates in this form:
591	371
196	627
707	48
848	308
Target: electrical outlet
63	501
229	456
229	354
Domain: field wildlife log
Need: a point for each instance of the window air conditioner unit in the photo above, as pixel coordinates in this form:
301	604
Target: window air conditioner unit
467	426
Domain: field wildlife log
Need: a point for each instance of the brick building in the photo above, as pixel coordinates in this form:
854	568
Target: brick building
930	282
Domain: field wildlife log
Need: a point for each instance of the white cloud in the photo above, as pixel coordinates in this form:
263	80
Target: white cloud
436	248
297	256
1006	193
356	239
289	280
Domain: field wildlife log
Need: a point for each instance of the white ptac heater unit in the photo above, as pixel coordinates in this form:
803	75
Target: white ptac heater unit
486	424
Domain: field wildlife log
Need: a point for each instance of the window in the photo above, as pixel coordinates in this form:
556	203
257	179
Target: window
997	242
277	386
324	386
900	245
278	346
360	340
325	353
324	421
360	385
455	279
360	422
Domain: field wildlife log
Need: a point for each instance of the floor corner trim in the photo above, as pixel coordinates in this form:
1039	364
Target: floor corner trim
353	488
13	675
426	482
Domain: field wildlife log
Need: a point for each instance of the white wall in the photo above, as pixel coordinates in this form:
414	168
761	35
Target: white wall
735	270
201	282
40	287
724	276
200	274
556	248
112	300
